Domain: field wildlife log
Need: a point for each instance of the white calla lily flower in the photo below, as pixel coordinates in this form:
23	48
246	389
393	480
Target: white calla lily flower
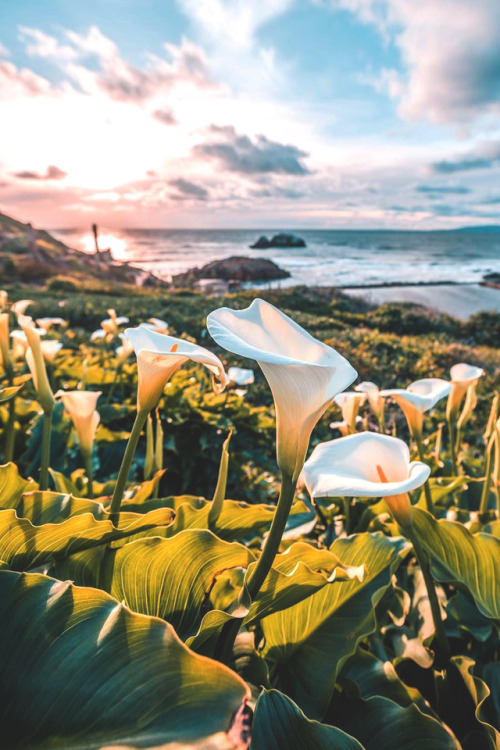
159	356
20	307
304	374
48	323
366	465
156	324
419	397
50	349
240	376
375	399
349	403
36	363
111	324
81	407
124	351
98	335
462	376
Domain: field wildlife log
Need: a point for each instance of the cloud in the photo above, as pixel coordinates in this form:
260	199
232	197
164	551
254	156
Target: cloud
233	22
52	173
450	50
189	189
483	156
16	83
185	64
238	153
4	52
443	189
165	116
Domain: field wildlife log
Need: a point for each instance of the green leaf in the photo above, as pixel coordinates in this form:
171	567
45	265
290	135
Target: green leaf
459	557
307	643
480	694
80	670
6	394
281	725
167	578
380	723
24	546
12	486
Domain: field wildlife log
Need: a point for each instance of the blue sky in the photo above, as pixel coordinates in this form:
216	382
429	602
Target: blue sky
235	113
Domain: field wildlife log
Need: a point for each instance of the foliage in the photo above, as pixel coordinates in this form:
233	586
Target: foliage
337	650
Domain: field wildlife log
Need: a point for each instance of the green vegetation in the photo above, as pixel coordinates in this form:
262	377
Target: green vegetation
118	629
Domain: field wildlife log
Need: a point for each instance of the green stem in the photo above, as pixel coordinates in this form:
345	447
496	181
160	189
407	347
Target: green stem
224	648
122	478
273	541
451	439
87	459
45	460
10	433
115	382
427	490
423	561
485	495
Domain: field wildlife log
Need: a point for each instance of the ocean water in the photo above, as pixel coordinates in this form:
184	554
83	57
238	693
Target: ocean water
331	258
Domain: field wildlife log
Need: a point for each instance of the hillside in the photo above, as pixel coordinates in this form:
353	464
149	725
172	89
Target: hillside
35	257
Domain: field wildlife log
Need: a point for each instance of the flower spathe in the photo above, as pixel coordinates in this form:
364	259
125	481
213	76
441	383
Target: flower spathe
159	356
375	399
48	323
50	349
462	376
366	465
81	407
303	373
36	364
349	403
418	398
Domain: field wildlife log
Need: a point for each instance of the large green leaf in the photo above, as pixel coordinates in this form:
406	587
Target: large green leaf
80	671
12	486
457	556
380	724
24	545
281	725
168	578
308	642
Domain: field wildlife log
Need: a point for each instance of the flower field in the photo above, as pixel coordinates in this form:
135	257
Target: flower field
247	523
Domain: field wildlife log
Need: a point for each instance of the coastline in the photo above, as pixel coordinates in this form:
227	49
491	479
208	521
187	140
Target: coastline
461	300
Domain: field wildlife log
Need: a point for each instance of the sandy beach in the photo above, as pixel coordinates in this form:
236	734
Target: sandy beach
461	301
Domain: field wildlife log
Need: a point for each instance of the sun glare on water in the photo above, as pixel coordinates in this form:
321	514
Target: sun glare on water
117	245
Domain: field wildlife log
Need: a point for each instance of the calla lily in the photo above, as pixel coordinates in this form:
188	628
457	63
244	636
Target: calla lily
20	336
4	298
156	324
159	356
111	324
240	376
349	403
366	465
304	374
418	398
50	349
124	351
4	343
375	399
20	307
48	323
36	364
81	407
462	376
98	335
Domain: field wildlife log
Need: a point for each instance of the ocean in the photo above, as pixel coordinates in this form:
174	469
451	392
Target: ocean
332	257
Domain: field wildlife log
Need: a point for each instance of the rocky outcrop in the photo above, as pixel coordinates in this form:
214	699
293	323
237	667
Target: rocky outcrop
278	240
235	268
33	256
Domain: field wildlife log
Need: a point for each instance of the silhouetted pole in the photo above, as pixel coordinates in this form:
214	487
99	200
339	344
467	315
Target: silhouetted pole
96	238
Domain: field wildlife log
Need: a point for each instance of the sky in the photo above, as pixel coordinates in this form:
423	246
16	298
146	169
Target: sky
250	113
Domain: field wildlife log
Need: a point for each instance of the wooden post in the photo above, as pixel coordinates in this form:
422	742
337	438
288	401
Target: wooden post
96	238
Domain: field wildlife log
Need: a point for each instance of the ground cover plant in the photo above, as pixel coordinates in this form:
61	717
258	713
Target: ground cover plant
304	557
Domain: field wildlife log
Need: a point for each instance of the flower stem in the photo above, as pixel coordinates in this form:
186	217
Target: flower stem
10	433
122	478
45	459
87	458
273	541
224	648
485	495
423	561
451	440
427	490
